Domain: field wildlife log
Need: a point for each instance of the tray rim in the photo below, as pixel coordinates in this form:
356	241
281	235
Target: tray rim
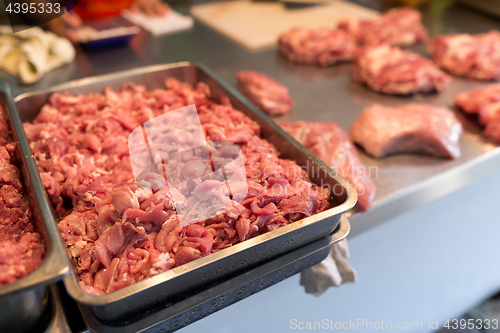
99	300
54	266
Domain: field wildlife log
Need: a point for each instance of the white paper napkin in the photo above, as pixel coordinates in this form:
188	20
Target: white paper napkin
159	25
331	272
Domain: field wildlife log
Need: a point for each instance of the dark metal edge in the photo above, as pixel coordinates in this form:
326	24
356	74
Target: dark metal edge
55	266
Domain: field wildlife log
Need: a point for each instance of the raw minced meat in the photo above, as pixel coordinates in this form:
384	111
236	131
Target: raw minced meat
393	71
120	233
22	248
399	26
473	56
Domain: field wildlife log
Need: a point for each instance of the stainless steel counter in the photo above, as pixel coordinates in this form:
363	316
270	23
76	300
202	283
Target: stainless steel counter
404	182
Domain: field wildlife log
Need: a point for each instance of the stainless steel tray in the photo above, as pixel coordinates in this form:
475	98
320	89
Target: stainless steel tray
58	322
195	307
24	302
202	272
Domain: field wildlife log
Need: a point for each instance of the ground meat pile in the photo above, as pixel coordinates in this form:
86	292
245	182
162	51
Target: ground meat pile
323	46
120	233
21	247
473	56
485	102
393	71
399	26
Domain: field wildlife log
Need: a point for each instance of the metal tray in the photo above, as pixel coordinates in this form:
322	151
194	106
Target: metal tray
204	271
24	302
195	307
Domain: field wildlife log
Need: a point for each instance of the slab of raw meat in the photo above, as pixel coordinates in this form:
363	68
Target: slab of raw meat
410	128
120	233
399	26
21	247
330	143
324	46
270	96
393	71
485	102
473	56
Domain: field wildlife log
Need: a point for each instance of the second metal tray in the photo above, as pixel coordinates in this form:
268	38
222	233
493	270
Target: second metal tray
207	270
24	302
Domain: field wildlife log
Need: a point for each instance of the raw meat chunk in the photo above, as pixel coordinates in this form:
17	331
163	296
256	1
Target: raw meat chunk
399	26
120	233
330	143
4	129
324	46
410	128
21	247
473	56
391	70
485	102
270	96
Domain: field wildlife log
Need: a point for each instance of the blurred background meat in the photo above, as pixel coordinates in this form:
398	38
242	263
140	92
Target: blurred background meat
269	95
330	143
410	128
324	46
485	102
393	71
473	56
398	26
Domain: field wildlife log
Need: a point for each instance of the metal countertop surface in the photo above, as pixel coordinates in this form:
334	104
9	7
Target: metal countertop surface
403	182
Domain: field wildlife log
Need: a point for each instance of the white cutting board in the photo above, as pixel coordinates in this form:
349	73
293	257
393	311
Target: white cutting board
258	25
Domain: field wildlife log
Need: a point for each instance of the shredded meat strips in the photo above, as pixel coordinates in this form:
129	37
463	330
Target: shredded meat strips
120	233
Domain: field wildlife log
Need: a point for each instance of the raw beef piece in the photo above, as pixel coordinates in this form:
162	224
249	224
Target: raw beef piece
485	102
21	247
270	96
410	128
399	26
120	233
473	56
391	70
330	143
323	46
